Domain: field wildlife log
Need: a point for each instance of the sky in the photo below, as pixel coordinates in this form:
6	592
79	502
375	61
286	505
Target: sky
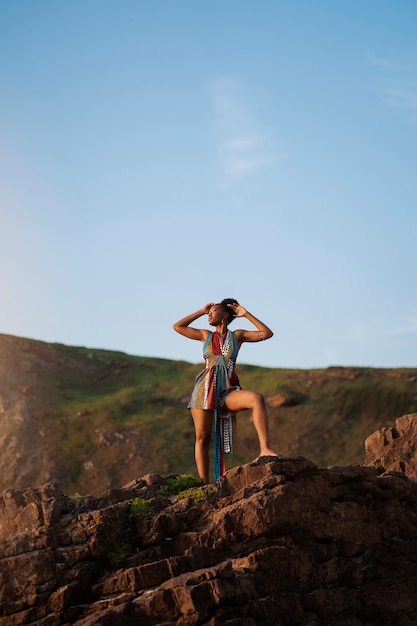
159	155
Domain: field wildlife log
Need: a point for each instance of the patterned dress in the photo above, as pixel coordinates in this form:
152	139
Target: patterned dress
211	388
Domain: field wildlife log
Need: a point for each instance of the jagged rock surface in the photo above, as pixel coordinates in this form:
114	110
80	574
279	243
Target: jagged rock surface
395	448
278	542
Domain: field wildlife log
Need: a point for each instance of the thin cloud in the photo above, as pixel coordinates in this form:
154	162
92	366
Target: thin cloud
242	148
404	326
402	78
408	326
386	63
402	99
243	155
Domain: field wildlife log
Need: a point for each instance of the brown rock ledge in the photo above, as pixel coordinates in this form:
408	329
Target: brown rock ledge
279	542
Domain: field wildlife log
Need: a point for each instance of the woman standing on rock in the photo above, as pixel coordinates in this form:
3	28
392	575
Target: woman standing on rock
217	389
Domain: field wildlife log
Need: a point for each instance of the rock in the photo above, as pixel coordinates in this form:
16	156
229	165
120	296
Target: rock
395	448
274	542
283	399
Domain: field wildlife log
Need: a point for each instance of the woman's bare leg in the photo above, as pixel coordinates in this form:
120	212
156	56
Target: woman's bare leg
245	399
203	421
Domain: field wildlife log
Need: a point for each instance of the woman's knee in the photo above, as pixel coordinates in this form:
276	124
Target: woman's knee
245	399
258	400
203	439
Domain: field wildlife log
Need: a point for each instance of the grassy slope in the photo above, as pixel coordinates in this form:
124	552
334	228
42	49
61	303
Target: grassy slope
340	408
111	417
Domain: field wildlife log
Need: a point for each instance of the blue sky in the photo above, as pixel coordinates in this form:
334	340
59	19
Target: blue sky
159	155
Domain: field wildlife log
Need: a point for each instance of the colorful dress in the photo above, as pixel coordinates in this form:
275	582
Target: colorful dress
211	388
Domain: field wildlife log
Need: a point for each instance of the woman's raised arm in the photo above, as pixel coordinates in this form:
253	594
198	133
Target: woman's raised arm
263	331
183	325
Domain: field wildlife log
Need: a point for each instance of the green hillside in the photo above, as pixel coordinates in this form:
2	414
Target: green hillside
94	419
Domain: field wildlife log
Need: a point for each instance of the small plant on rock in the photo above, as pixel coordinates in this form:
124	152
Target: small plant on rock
174	486
120	552
197	495
78	497
140	505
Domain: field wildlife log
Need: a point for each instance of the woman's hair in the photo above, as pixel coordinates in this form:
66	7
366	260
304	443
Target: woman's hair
230	313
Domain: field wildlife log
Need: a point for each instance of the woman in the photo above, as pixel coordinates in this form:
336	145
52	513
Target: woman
217	389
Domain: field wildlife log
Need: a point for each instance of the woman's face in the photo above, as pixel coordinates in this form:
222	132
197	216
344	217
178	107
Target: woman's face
216	315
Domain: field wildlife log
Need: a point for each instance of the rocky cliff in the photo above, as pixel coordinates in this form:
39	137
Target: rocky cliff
274	542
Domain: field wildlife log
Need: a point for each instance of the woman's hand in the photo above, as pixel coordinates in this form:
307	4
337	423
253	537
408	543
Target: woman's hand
207	308
238	310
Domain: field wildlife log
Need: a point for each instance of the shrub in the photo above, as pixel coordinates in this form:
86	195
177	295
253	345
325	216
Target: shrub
174	486
197	495
140	505
121	551
77	497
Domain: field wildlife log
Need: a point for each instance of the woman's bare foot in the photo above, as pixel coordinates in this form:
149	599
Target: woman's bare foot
269	452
